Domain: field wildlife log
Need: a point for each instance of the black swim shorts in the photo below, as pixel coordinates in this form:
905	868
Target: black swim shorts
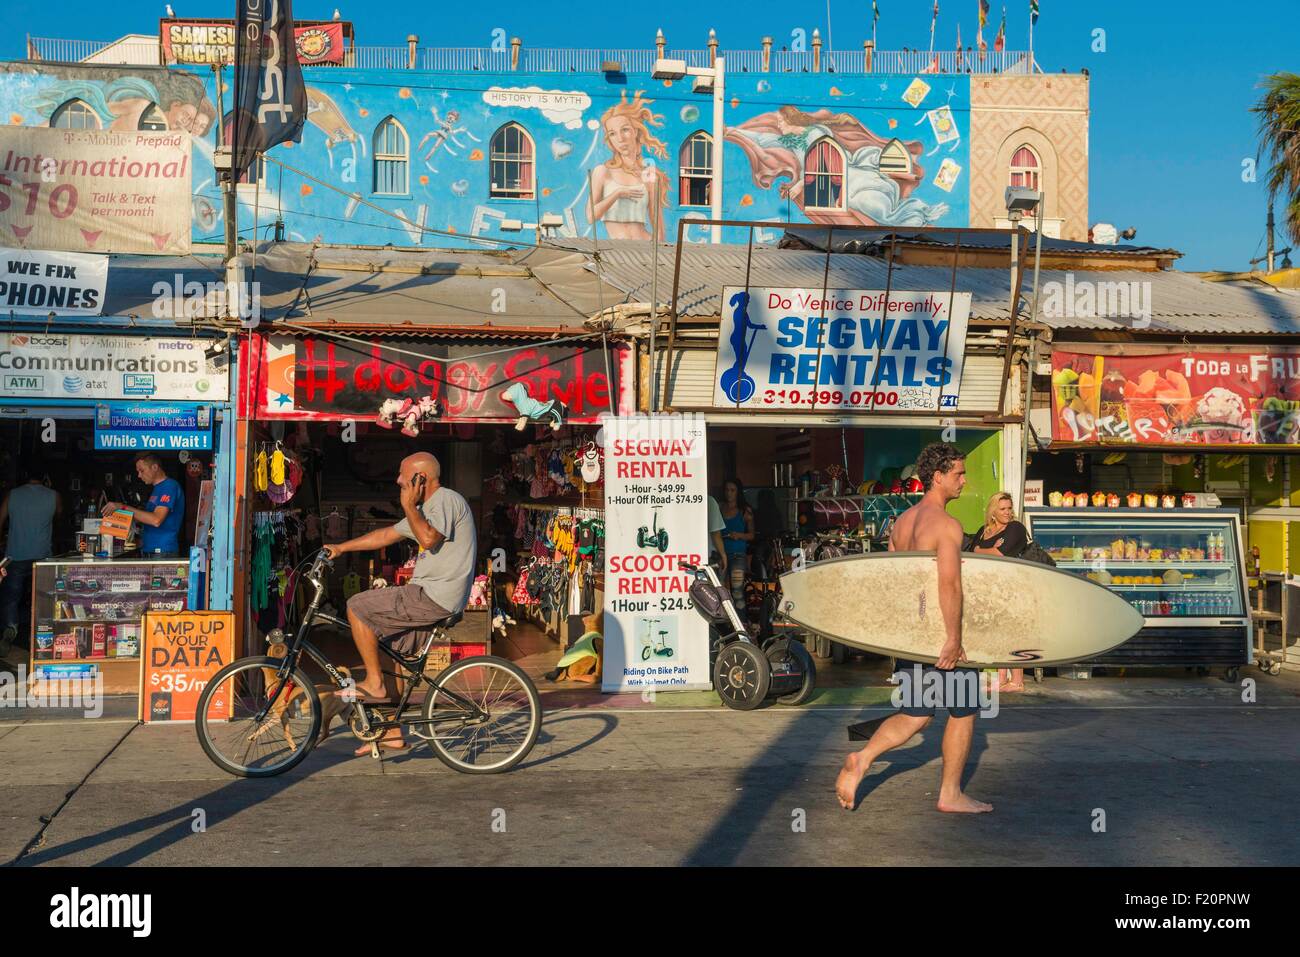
956	689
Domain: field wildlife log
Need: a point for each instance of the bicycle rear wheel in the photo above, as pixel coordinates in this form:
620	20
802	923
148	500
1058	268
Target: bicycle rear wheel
502	735
227	720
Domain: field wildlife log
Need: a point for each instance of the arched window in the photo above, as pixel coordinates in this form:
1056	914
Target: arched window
895	158
823	176
1025	168
696	162
74	115
511	167
152	118
391	159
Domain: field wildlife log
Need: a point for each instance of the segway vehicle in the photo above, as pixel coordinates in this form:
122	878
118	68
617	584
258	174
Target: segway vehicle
654	537
746	674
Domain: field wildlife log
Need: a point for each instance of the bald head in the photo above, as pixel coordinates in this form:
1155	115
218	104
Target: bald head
421	463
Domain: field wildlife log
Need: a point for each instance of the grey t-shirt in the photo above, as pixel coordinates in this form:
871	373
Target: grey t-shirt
446	573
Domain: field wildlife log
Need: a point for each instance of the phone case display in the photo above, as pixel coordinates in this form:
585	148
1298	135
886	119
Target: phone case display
1181	568
89	612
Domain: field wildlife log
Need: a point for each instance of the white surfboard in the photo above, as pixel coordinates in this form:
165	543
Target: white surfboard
1015	614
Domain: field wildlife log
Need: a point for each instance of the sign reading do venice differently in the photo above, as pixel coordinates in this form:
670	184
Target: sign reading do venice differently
95	191
849	349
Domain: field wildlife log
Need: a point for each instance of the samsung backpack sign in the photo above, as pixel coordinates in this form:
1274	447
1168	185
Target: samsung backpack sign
845	350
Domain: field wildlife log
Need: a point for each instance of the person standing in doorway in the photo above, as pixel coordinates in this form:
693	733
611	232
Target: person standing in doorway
927	527
716	528
1003	535
29	512
160	519
738	532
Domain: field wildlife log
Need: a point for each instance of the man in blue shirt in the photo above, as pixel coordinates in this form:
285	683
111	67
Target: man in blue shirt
161	518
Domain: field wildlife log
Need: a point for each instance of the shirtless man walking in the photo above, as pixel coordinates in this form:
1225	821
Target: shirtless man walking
927	527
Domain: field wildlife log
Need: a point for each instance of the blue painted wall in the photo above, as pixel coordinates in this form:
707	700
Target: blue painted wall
449	120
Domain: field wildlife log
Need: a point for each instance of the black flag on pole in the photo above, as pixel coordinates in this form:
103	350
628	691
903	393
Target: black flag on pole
270	100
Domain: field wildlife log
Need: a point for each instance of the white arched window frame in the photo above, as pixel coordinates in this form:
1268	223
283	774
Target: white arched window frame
823	176
152	118
1026	168
512	166
695	161
390	148
895	158
75	115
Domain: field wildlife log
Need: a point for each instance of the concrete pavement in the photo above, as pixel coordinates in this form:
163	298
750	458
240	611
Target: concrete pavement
1184	772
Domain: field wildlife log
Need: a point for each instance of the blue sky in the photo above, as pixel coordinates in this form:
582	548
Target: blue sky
1171	94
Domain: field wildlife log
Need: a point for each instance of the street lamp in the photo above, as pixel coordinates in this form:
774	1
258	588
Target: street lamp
1020	200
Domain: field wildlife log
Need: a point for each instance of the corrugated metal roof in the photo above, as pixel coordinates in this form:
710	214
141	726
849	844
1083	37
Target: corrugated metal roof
516	289
859	240
1179	302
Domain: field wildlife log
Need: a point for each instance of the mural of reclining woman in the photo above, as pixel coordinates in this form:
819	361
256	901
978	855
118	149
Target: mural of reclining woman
625	185
120	100
777	143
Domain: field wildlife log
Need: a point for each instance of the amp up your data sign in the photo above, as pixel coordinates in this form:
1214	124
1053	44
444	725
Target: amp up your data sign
844	349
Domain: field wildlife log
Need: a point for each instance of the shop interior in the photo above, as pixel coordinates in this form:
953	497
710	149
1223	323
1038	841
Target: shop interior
825	491
540	529
1261	486
71	587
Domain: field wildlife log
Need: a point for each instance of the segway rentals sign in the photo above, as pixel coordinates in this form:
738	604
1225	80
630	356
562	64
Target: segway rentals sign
656	520
846	350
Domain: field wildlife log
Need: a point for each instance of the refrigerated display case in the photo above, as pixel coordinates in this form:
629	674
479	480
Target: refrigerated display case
1181	568
87	615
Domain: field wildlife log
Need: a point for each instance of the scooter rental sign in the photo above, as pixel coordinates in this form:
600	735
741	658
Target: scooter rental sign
656	519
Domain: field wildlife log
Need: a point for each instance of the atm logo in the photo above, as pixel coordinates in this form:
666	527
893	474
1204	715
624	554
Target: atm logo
24	383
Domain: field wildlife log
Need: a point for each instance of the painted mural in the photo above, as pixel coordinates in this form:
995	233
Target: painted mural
457	155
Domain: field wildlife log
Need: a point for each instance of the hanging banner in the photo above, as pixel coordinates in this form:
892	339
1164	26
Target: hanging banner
656	518
270	98
95	191
153	427
41	283
1200	398
213	41
328	378
182	651
784	348
73	366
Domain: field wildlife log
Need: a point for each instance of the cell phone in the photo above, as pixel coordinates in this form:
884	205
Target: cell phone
4	561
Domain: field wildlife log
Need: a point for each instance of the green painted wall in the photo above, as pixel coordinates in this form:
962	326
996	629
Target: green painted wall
1269	536
1263	492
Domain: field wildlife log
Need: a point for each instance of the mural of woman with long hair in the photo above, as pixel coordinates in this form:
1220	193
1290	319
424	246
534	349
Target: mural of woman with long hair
625	186
778	146
120	100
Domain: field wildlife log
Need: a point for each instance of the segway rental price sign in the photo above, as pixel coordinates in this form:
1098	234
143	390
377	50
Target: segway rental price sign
656	519
842	350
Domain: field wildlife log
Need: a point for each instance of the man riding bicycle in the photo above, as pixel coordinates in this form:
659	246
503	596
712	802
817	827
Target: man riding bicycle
440	521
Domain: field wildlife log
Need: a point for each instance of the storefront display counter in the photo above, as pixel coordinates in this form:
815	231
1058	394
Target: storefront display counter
87	614
1181	568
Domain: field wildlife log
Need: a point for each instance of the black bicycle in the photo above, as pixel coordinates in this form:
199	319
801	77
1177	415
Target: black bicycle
261	716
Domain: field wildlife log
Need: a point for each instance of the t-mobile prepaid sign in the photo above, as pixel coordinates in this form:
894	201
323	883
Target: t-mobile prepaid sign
656	519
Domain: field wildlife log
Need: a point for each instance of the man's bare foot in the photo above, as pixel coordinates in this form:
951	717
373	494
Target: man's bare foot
963	804
1019	687
846	785
392	741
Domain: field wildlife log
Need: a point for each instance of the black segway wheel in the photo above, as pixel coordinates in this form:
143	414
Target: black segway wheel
793	652
741	676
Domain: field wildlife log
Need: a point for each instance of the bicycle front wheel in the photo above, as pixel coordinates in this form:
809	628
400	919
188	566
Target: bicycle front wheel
255	724
497	731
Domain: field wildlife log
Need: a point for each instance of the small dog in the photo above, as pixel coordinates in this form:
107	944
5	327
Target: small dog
332	705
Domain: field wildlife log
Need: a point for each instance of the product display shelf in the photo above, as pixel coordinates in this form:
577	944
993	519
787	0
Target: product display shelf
1198	615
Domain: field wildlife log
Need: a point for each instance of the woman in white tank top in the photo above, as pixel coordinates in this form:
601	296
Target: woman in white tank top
624	186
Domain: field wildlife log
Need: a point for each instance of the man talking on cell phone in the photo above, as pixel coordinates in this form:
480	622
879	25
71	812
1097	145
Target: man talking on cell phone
440	521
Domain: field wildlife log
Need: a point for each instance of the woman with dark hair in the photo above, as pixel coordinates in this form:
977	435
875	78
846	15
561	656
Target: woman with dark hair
738	519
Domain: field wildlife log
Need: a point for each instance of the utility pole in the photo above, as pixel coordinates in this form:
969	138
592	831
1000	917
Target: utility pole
1270	236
